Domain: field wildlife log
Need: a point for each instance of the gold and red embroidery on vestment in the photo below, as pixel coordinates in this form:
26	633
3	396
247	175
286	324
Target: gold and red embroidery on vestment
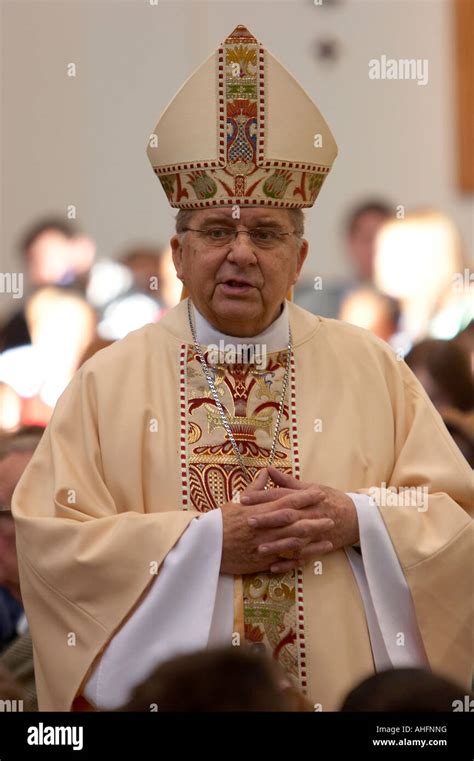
271	603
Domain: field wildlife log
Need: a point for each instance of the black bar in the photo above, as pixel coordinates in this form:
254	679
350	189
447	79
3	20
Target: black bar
143	736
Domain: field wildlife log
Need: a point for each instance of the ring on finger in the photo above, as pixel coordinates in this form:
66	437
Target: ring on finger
288	555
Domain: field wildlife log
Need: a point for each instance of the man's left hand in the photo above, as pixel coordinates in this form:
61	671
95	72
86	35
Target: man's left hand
293	527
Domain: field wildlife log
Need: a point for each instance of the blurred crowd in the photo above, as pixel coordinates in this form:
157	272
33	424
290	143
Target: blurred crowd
409	283
75	306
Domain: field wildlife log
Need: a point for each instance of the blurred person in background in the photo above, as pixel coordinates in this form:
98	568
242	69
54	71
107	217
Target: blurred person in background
406	690
10	689
61	325
363	225
443	368
217	680
369	309
41	345
140	288
420	261
55	253
465	339
10	406
361	229
171	285
126	297
144	262
97	344
11	612
16	650
154	273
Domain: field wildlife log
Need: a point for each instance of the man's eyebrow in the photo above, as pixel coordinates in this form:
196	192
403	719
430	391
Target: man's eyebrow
217	219
268	222
261	222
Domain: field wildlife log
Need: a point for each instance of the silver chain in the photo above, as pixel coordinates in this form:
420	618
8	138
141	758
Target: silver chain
215	396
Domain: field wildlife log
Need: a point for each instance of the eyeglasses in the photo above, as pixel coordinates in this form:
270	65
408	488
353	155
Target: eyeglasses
261	237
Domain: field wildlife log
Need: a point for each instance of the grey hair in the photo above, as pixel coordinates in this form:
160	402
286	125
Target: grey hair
183	218
297	219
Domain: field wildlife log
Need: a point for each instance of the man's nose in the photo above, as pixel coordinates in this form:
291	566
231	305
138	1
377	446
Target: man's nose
242	251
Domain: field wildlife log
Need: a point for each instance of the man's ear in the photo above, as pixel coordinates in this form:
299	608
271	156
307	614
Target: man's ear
302	254
177	254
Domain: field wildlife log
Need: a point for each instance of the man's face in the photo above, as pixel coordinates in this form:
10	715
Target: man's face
239	287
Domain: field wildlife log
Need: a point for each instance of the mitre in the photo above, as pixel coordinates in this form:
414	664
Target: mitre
241	131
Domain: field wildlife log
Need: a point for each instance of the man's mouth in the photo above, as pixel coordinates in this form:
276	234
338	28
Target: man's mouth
236	286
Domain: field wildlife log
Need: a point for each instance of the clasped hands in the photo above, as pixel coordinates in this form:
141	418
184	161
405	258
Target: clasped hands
280	528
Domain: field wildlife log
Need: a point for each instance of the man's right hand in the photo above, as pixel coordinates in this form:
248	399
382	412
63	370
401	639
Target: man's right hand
240	541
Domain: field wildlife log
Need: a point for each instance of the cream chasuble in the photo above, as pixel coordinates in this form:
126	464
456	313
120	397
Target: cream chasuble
135	451
159	629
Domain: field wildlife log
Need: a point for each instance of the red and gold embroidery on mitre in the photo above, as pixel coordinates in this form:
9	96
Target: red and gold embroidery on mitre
241	130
